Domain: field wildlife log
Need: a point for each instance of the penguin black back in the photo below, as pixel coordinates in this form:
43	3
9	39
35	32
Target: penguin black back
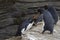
53	12
23	26
48	20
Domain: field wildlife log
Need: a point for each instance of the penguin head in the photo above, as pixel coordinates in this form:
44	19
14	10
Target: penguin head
46	7
40	10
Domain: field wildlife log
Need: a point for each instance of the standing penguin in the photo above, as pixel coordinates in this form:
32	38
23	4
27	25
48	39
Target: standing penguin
26	25
53	12
48	20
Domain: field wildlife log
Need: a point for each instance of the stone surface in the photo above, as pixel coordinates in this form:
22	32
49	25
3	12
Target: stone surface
35	34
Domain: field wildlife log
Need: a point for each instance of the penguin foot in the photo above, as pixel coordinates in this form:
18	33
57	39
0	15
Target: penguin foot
51	33
42	32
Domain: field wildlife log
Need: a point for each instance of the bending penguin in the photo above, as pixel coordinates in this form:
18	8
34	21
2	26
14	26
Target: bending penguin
53	12
48	20
26	25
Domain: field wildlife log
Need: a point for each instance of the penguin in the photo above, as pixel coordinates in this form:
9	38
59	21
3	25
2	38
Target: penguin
48	20
26	25
53	12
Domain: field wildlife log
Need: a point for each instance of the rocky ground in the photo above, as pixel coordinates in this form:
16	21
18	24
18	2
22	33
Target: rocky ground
9	9
35	34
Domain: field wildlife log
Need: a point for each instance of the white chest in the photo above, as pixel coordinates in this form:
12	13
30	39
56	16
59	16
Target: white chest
28	27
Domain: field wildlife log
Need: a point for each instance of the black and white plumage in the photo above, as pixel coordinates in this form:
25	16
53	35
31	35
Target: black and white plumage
53	12
26	25
48	20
